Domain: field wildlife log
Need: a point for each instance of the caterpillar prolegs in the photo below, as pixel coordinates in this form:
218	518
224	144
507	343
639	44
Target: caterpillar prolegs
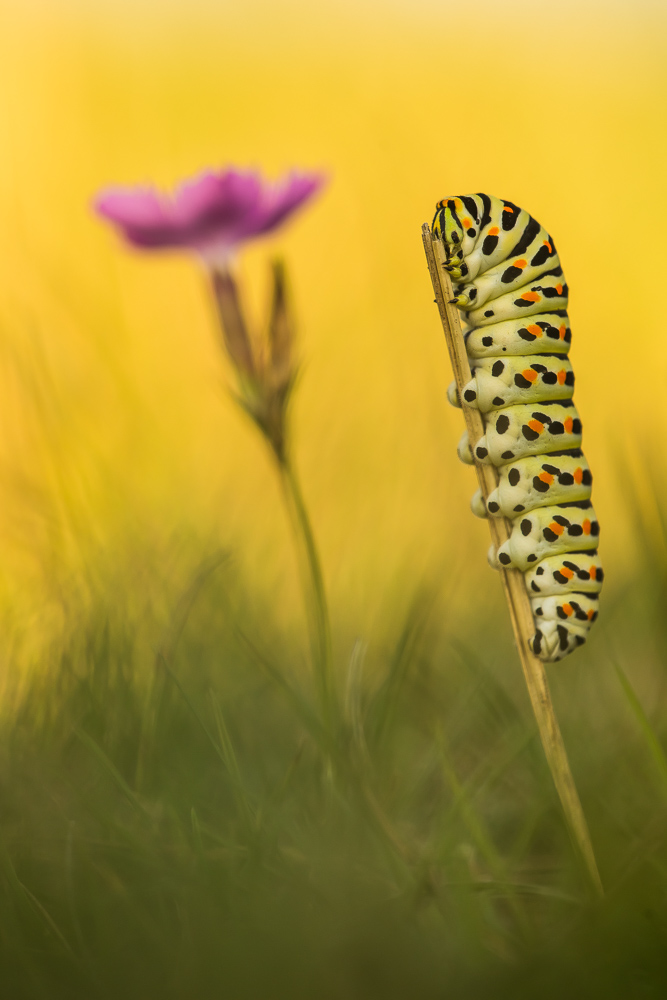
509	284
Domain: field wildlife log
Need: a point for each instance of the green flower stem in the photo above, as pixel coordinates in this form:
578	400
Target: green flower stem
314	592
265	382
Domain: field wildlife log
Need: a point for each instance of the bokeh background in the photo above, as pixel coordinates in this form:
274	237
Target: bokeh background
117	433
141	835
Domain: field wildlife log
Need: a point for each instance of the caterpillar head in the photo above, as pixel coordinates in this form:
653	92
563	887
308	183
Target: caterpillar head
447	226
456	223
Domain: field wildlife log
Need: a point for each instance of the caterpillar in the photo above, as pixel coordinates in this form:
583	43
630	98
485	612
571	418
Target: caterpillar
508	283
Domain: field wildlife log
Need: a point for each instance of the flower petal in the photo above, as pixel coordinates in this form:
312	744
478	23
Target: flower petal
211	214
286	197
216	200
143	217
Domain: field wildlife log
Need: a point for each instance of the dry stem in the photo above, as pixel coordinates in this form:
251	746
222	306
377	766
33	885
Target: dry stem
518	600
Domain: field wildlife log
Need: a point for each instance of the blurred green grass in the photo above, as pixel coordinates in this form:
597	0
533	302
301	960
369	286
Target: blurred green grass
175	823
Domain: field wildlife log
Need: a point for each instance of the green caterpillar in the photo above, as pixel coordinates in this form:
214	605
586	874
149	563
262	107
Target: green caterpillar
509	283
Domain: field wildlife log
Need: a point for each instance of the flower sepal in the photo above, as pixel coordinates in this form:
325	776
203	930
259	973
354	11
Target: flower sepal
265	367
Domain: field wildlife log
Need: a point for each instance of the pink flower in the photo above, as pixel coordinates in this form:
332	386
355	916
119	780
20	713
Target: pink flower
212	214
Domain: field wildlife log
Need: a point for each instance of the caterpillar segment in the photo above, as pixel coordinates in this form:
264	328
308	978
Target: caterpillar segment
509	285
529	429
510	275
548	531
548	292
539	479
560	574
549	333
500	382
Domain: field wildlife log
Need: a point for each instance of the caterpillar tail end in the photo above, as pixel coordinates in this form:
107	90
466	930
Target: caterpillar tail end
553	642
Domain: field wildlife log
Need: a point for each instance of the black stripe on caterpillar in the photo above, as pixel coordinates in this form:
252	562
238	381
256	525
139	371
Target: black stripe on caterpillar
509	284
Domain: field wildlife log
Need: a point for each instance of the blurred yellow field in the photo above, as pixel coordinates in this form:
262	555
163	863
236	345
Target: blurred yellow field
116	430
214	782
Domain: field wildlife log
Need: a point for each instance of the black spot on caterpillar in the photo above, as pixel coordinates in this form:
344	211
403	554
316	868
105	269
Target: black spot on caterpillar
509	283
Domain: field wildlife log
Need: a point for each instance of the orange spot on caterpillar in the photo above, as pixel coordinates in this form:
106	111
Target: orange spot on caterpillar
586	527
559	289
531	296
546	477
562	375
557	529
507	208
567	573
568	424
547	244
591	612
536	426
535	330
521	264
592	572
567	608
529	374
467	222
562	331
578	475
493	231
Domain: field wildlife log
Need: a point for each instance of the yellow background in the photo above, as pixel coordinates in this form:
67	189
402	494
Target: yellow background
118	442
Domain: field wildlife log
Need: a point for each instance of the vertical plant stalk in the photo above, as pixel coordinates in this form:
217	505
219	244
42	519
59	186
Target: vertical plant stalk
518	600
313	587
266	371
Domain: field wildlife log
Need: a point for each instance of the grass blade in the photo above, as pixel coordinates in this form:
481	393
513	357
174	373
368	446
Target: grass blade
652	741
